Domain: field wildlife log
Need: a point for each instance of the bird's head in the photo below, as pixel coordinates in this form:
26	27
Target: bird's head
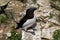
30	12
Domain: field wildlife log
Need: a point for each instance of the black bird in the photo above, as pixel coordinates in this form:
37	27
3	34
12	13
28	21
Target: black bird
28	20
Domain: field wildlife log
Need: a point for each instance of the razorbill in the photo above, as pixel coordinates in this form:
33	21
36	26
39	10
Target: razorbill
28	20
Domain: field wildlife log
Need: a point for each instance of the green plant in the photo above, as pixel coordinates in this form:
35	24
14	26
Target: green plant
14	35
4	18
56	34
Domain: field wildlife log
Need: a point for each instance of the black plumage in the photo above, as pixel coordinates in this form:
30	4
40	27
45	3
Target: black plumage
20	24
29	15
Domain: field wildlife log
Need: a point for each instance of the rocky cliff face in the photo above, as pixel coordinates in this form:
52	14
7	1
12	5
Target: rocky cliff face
47	22
47	19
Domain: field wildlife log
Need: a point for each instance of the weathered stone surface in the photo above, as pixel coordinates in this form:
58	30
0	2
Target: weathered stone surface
55	4
3	2
46	15
32	35
14	8
48	22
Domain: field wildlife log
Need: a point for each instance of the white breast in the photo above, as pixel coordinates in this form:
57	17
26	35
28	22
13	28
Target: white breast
29	22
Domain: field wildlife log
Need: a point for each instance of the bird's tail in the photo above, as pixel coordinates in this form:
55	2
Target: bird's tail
18	26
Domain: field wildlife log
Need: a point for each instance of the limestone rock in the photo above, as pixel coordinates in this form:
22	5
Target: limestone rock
55	4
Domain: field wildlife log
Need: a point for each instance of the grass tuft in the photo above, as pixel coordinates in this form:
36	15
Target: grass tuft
4	18
56	35
14	35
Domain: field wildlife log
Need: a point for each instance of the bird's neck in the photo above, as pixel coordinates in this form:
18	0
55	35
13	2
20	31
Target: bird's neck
29	16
